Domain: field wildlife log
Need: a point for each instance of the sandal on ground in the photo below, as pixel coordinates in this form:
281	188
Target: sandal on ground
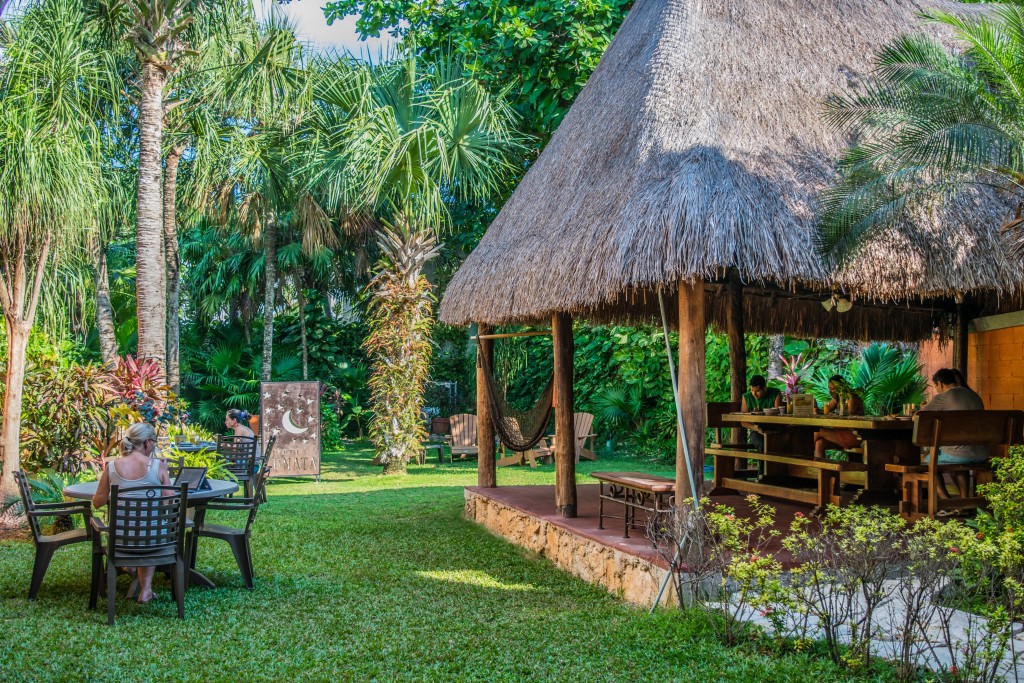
949	513
151	598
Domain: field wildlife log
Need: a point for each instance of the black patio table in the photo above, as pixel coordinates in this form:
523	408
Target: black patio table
188	447
218	488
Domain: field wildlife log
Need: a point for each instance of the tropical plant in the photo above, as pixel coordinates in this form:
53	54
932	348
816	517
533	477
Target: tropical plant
214	462
66	408
884	377
51	187
143	394
932	124
399	319
794	373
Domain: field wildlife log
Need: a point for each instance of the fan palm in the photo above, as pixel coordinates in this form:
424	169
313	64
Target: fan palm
51	185
397	142
883	376
931	123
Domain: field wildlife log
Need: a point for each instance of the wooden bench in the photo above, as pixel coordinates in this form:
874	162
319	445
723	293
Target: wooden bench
826	474
634	491
993	429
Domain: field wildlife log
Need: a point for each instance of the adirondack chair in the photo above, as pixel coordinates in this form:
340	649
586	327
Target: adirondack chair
583	425
462	440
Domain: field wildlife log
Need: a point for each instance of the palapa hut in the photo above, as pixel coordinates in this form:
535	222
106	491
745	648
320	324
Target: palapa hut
690	164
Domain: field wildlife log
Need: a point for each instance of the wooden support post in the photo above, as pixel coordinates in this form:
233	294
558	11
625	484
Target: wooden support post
691	386
734	328
486	473
960	337
565	433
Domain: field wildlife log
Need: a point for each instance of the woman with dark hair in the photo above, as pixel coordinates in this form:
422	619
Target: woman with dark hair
839	391
952	393
238	421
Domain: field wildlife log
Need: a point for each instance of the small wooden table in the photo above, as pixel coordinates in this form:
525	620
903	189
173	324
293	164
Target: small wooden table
884	441
635	491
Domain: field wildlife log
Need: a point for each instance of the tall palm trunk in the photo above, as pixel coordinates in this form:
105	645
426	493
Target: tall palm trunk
173	263
270	273
302	323
151	287
104	310
19	307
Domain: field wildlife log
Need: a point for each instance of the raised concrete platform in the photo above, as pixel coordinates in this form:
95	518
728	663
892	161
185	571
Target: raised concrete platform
630	568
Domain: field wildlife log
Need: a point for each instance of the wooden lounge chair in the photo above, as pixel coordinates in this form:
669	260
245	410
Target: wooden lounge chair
583	426
462	441
933	430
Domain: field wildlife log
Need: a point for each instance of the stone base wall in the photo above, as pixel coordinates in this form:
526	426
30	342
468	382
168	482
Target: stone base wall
628	577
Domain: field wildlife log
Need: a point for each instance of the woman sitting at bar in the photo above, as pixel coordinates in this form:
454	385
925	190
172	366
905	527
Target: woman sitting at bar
845	439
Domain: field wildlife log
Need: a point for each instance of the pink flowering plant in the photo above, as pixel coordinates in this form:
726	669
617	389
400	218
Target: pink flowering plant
795	372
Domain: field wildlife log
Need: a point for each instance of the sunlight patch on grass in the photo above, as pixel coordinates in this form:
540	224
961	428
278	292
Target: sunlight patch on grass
477	578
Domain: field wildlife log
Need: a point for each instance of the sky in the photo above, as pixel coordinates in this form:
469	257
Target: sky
308	16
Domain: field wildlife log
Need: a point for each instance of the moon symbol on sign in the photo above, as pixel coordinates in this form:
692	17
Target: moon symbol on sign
289	426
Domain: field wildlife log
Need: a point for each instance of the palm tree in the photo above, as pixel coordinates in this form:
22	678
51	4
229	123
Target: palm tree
52	73
400	321
932	123
397	142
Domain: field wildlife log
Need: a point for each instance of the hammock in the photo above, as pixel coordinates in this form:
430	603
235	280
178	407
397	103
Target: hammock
519	430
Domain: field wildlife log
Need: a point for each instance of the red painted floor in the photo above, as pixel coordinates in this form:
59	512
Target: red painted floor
539	501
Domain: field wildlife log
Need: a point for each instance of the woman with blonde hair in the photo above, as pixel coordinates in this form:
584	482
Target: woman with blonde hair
135	467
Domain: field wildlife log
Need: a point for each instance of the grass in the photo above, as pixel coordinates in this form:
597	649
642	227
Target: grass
368	578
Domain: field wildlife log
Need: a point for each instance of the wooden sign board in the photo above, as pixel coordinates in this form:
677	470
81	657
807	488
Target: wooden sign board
291	410
803	405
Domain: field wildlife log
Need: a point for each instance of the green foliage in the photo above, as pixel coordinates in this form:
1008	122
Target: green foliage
225	373
1004	520
884	376
545	49
216	466
330	428
65	409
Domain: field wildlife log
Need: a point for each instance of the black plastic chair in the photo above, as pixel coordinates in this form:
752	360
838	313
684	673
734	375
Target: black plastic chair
146	530
237	538
264	461
239	453
47	545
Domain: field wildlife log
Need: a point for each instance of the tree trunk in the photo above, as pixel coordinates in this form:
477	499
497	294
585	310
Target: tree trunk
173	265
270	273
19	299
104	311
565	430
692	327
149	265
10	429
776	347
486	473
302	324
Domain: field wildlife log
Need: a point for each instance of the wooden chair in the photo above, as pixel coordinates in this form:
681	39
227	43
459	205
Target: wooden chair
583	426
935	429
146	528
462	441
236	538
47	545
239	453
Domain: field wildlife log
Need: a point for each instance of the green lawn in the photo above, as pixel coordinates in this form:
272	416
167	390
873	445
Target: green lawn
362	577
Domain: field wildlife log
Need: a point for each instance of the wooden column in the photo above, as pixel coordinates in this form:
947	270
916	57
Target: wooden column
486	473
565	432
737	349
960	337
691	386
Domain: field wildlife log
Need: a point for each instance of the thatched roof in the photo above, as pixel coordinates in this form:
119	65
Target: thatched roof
697	146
